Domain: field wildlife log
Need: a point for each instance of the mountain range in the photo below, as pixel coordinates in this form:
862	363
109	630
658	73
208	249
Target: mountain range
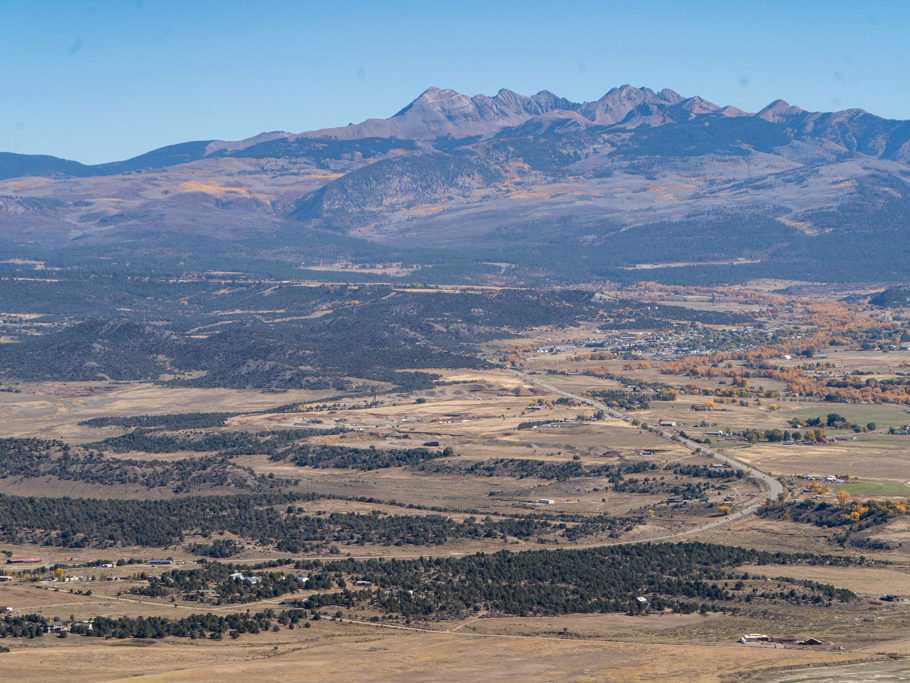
638	183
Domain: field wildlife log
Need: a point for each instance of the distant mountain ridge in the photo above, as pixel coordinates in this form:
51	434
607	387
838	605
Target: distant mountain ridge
439	113
637	177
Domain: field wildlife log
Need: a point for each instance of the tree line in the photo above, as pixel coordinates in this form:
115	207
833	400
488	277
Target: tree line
31	457
682	577
82	522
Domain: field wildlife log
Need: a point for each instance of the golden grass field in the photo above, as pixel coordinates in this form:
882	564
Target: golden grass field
344	652
53	410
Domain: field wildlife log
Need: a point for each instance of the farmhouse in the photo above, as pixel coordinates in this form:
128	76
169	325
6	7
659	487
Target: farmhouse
755	638
240	576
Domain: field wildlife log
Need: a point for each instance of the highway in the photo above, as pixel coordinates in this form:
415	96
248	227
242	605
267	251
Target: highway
773	485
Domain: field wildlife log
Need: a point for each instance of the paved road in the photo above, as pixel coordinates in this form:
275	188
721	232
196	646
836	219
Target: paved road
773	485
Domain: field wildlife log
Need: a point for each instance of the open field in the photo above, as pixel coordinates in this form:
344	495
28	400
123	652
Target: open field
883	416
871	581
53	410
878	487
887	670
383	654
884	458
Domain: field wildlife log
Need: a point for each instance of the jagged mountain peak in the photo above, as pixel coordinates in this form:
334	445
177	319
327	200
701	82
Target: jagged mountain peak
447	113
697	105
505	93
619	102
779	110
434	98
442	112
732	111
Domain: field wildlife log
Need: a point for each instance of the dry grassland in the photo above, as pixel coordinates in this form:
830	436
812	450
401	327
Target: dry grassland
770	535
894	670
869	581
861	458
52	487
53	410
336	652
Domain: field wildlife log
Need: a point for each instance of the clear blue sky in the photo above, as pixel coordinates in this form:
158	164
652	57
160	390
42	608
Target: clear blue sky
104	80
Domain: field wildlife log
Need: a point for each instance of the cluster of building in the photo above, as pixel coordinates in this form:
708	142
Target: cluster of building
831	478
680	343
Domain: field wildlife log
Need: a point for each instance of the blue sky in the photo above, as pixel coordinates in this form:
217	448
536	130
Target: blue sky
100	80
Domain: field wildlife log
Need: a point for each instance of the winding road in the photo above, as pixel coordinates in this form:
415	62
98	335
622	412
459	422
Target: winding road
774	486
